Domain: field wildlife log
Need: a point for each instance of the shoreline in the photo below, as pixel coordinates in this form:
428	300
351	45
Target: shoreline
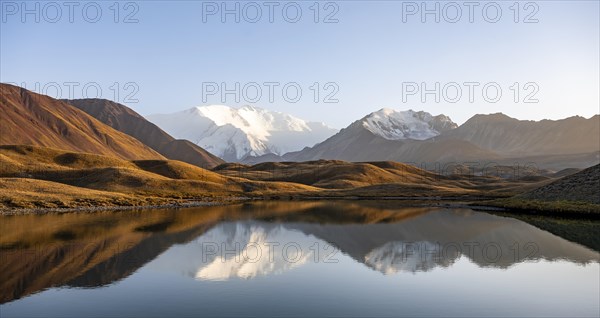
423	201
483	204
116	208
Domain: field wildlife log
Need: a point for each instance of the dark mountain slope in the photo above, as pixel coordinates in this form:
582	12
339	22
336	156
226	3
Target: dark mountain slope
583	186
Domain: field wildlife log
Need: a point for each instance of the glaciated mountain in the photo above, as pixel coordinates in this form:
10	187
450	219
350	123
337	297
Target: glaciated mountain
395	125
425	140
389	135
236	133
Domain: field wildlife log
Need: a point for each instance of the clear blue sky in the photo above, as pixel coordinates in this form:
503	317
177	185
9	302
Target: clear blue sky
368	53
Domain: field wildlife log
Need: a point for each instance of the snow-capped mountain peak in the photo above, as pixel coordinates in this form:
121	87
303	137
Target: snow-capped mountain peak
396	125
235	133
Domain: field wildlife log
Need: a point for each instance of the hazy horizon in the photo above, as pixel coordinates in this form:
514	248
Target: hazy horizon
376	109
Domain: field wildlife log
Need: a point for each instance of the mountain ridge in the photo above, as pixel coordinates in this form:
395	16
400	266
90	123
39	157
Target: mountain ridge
29	118
514	137
126	120
573	142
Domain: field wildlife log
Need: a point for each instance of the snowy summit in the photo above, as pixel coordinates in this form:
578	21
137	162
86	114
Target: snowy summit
396	125
236	133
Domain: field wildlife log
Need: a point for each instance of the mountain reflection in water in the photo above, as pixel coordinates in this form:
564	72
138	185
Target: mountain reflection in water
252	240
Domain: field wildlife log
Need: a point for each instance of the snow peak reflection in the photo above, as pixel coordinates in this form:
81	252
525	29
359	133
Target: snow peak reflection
252	252
255	252
393	257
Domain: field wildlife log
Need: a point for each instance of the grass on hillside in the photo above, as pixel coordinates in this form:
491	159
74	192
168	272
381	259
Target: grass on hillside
37	177
35	194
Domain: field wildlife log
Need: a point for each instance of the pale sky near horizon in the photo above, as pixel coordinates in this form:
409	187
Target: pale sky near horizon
168	52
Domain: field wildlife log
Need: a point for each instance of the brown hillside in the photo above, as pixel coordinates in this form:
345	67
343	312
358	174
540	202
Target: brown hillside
126	120
32	119
512	137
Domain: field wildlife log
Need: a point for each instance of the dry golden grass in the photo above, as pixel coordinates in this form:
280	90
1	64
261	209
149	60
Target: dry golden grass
331	174
52	178
377	179
31	193
575	194
179	170
23	159
59	178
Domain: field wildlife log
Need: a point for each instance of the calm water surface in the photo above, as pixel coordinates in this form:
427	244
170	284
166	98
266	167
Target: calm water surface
297	259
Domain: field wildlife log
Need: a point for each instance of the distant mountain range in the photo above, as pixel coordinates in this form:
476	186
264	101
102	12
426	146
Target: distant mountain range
254	135
517	138
391	135
235	134
420	138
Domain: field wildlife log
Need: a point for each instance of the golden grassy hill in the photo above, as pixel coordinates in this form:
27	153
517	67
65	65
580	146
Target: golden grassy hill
385	178
66	175
33	119
65	179
24	159
330	174
32	193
